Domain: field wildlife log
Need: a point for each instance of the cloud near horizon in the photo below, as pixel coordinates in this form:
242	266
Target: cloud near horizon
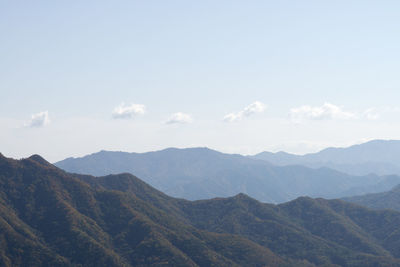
325	112
256	107
128	111
179	117
40	119
371	114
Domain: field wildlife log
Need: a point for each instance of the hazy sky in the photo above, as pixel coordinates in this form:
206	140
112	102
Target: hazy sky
237	76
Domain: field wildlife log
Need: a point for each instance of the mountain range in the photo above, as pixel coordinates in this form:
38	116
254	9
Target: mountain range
378	156
384	200
53	218
202	173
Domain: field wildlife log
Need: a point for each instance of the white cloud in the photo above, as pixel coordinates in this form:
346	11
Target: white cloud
371	114
376	113
251	109
40	119
325	112
128	111
179	117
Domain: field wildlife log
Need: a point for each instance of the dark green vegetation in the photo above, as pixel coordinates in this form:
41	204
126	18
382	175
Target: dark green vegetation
53	218
384	200
377	156
201	173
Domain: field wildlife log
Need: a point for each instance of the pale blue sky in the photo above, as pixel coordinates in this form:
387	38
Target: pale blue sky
79	60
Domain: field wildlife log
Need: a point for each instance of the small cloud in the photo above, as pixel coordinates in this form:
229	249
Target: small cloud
179	117
128	111
40	119
376	113
371	114
325	112
231	117
256	107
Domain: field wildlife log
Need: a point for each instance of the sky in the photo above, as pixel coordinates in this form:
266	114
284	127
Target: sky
243	77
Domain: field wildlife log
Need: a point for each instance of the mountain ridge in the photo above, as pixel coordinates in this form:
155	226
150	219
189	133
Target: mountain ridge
202	173
80	224
75	218
376	156
383	200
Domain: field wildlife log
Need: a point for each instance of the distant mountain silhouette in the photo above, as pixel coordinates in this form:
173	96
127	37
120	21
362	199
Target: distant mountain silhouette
53	218
384	200
378	156
201	173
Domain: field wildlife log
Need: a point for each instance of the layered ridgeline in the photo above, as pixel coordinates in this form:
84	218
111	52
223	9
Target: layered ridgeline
384	200
378	156
53	218
201	173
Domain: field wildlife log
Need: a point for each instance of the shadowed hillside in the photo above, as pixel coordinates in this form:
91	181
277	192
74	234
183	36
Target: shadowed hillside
52	218
60	219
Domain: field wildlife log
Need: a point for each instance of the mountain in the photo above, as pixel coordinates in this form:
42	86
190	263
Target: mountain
384	200
201	173
53	218
316	231
377	156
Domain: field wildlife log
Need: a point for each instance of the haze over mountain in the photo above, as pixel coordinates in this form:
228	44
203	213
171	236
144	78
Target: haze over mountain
378	156
115	77
201	173
53	218
384	200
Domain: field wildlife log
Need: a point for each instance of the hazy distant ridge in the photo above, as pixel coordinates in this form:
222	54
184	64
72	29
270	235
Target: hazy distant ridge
381	157
200	173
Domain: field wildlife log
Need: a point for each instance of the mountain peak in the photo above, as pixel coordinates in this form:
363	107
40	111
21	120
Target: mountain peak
241	195
40	160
